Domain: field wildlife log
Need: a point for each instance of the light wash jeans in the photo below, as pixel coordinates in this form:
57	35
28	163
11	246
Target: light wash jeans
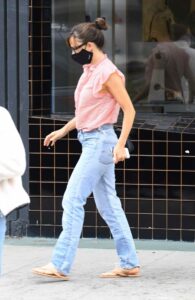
2	237
95	173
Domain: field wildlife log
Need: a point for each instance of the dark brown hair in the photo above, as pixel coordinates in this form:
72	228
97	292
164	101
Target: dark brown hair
89	32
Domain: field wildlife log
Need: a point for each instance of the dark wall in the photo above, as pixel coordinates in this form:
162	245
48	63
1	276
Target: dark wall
14	82
40	57
156	185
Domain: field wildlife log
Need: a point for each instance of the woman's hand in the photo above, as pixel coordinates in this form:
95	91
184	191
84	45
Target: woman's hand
54	136
60	133
119	153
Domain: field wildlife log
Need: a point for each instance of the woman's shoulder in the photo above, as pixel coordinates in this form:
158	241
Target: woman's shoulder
105	69
107	66
108	63
4	113
5	117
3	110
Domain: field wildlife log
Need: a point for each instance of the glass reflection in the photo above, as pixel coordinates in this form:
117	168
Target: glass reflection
152	42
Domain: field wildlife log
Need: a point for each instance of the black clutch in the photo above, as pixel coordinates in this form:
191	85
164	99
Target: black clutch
129	143
130	146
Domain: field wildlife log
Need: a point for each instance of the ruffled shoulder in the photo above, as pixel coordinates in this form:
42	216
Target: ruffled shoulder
105	70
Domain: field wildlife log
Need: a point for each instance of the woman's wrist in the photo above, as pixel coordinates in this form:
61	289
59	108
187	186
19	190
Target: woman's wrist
121	143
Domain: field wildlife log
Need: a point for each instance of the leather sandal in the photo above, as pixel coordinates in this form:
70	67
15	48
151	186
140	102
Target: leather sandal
49	271
120	272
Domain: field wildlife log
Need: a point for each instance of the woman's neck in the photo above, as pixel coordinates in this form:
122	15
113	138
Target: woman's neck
98	55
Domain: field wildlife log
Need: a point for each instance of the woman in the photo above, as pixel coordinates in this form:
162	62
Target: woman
99	95
12	167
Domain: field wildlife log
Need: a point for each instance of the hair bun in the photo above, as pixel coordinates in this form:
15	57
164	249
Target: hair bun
101	24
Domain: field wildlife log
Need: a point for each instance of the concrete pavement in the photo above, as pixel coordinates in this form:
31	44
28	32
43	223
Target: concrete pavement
168	272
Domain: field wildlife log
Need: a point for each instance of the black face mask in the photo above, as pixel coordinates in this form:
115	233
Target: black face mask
83	57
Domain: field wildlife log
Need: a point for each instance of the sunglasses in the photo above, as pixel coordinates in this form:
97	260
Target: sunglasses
78	47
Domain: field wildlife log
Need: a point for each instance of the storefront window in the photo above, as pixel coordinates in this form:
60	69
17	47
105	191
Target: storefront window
152	42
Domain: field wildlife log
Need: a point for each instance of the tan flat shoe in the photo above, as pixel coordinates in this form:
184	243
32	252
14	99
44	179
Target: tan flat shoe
120	272
49	271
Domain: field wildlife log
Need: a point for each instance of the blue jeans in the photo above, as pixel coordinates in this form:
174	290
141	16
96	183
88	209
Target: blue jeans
2	236
95	173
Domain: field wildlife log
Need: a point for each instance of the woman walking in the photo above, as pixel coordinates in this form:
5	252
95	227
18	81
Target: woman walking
99	95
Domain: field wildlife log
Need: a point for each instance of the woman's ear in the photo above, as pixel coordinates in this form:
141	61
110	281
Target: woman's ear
90	46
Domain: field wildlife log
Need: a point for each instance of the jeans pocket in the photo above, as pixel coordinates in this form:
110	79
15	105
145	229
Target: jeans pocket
106	156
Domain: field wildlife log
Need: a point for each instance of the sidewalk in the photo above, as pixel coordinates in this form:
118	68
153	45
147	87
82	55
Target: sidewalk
168	272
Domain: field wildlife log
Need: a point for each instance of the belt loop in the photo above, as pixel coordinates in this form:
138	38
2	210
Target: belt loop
101	130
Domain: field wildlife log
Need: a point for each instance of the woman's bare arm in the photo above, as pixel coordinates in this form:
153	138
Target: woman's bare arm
116	87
